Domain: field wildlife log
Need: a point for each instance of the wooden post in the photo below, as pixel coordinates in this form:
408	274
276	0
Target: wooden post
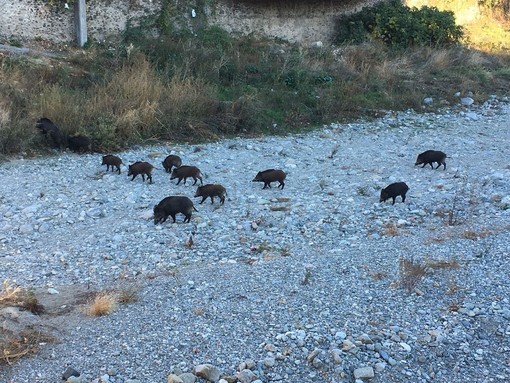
80	22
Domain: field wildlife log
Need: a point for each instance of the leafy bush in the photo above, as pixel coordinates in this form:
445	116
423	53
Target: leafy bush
399	26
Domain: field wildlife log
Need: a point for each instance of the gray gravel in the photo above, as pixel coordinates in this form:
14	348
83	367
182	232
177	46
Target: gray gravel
303	284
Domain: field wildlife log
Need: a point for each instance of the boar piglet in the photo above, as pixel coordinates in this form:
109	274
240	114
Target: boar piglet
143	168
52	132
171	161
172	205
186	172
211	190
431	156
271	175
113	161
79	144
394	190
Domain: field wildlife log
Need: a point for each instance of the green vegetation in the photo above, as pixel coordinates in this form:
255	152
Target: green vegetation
399	26
184	86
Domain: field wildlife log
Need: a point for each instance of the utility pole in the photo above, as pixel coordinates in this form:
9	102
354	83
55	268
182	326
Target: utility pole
80	22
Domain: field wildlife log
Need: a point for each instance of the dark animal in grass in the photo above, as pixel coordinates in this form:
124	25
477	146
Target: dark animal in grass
171	161
271	175
52	133
431	156
211	190
394	190
113	161
186	172
79	144
143	168
172	205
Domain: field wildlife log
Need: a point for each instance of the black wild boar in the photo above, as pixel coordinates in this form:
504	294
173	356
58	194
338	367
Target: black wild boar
211	190
271	175
171	161
79	144
172	205
111	160
52	132
186	172
394	190
430	156
143	168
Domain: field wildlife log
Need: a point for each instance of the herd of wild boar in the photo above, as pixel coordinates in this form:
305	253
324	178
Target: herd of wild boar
173	205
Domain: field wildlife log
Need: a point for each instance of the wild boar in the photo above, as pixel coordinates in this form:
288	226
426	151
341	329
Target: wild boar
79	144
52	133
430	156
271	175
394	190
171	161
111	160
211	190
172	205
186	172
143	168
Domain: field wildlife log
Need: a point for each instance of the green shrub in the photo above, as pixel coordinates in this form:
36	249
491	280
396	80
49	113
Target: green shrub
399	26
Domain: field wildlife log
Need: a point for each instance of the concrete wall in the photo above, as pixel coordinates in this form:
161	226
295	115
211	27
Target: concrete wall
29	20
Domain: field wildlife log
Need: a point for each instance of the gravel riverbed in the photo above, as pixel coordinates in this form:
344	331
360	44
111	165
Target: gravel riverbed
311	283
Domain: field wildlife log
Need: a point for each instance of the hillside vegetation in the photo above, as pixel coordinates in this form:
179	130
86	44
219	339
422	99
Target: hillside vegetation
195	87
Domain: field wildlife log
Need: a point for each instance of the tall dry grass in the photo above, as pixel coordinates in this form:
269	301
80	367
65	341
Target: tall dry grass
241	87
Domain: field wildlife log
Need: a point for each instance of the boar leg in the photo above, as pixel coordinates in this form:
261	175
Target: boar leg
203	199
212	199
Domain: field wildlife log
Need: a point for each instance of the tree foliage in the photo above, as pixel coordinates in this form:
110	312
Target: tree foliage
399	26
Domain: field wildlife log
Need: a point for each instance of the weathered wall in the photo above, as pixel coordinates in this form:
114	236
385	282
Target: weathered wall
290	21
26	20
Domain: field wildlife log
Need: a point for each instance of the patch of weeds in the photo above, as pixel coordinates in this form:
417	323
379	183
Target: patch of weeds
264	246
14	347
104	303
443	264
199	311
390	229
363	191
9	292
379	275
127	294
307	274
471	234
411	273
13	295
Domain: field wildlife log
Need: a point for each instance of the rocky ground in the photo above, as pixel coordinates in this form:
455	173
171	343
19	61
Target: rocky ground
318	282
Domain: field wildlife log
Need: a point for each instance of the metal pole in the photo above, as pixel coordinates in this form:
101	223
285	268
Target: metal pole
80	22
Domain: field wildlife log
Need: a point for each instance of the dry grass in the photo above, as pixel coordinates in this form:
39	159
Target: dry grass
127	294
103	303
14	347
442	264
12	295
411	273
10	292
390	229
